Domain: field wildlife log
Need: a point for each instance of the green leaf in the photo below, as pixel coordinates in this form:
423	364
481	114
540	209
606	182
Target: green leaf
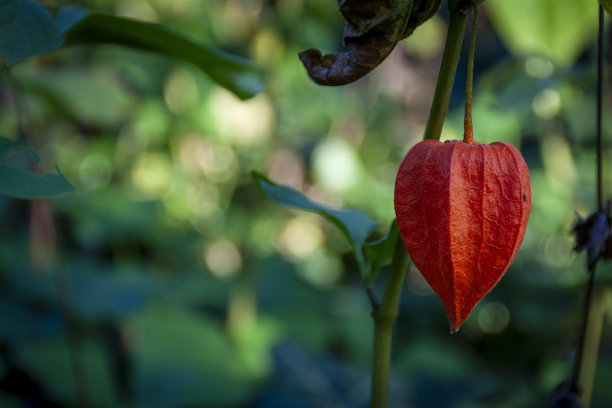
182	359
607	5
354	224
47	361
555	29
89	96
9	148
380	253
19	182
26	30
238	75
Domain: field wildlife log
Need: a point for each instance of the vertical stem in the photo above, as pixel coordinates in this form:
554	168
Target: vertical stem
386	313
448	67
468	132
575	380
42	255
578	373
384	320
590	346
600	64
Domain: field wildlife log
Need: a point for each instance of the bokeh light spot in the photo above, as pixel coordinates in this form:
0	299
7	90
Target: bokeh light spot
539	67
286	167
181	91
95	171
300	237
151	174
493	317
203	199
546	104
223	258
321	269
267	48
336	165
245	123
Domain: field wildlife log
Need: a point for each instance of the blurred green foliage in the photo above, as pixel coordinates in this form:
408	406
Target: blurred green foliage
183	286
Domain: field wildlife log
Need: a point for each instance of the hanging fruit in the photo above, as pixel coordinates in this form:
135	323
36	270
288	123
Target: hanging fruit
462	210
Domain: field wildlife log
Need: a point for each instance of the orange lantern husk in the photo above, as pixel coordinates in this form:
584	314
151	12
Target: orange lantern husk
462	211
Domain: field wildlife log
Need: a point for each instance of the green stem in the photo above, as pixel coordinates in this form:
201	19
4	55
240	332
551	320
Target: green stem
468	132
602	300
448	67
384	320
386	314
588	345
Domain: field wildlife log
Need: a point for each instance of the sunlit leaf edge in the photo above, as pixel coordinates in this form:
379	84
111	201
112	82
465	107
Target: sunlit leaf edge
355	232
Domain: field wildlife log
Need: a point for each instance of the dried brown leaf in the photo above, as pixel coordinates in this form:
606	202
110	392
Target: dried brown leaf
373	29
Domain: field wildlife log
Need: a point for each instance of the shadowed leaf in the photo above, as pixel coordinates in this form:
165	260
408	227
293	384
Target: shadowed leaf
593	234
26	30
19	182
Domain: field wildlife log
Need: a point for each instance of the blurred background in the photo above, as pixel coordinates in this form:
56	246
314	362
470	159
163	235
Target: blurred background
170	280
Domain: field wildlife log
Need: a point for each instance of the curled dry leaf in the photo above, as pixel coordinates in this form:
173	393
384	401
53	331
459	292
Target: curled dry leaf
373	29
593	234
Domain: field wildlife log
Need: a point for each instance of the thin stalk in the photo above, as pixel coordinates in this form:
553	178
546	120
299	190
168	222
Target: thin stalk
384	320
448	67
42	255
468	132
591	342
577	378
600	68
385	313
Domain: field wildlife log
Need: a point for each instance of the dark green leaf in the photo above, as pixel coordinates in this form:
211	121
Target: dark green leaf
69	16
380	253
186	360
19	182
372	31
238	75
26	30
47	361
607	5
8	148
354	224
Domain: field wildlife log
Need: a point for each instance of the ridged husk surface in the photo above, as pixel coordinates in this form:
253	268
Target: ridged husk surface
462	211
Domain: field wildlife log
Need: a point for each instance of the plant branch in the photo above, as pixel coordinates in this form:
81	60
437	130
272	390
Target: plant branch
384	320
42	243
575	380
386	312
373	300
448	68
468	132
600	67
578	384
